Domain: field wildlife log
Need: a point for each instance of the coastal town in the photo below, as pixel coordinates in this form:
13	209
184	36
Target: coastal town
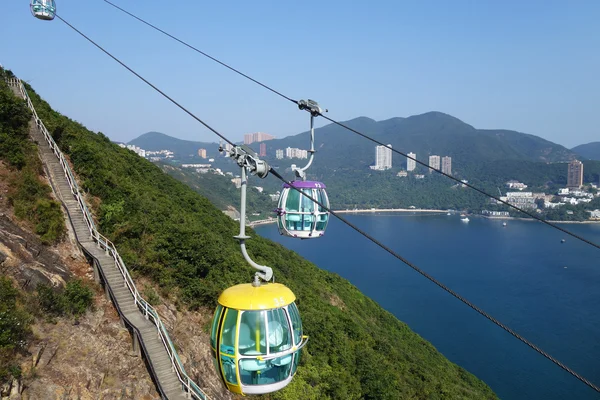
576	192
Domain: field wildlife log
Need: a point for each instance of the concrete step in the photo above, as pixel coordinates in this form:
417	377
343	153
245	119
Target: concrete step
155	350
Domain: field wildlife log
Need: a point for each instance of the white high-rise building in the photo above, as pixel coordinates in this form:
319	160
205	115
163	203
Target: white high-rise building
295	153
383	157
434	162
447	165
279	154
411	164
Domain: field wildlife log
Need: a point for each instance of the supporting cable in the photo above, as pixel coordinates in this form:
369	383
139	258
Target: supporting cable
146	81
465	183
201	52
360	231
441	285
355	131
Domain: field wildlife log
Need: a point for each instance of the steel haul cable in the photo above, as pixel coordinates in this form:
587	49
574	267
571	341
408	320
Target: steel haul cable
375	241
201	52
360	133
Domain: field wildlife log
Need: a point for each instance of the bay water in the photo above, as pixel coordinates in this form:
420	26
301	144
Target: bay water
522	274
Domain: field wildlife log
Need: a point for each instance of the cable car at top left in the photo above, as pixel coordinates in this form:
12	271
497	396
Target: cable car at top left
43	9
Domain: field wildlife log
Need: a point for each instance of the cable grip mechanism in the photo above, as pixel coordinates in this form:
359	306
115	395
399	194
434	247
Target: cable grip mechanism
247	158
311	106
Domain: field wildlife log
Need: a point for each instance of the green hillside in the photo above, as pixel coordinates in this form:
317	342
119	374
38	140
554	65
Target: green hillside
222	193
486	158
166	231
155	141
590	150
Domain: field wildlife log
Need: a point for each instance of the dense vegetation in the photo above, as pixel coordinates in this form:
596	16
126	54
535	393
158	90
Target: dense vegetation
29	195
222	193
32	203
14	329
166	231
485	158
588	150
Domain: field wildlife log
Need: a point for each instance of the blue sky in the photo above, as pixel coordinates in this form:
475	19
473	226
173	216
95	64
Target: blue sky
529	66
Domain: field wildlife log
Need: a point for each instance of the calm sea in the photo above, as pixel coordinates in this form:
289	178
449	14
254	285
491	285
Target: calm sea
521	274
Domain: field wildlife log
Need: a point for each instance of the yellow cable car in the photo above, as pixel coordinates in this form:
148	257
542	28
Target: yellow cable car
256	338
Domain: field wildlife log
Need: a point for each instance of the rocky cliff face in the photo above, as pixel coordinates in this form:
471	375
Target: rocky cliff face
91	357
187	329
88	358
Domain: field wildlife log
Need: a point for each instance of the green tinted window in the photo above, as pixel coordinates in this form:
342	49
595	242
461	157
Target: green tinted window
228	332
293	200
229	369
252	339
227	345
296	361
307	203
296	322
279	332
215	325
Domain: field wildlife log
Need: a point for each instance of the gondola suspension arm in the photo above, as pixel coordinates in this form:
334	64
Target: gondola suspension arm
315	110
247	159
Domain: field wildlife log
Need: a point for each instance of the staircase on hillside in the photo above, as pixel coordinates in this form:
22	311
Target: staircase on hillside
149	335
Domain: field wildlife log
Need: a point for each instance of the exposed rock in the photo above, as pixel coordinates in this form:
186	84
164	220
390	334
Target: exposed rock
27	260
89	359
86	361
193	344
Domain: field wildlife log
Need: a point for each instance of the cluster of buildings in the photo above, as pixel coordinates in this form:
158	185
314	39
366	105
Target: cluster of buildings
383	161
138	150
291	152
434	162
250	138
572	194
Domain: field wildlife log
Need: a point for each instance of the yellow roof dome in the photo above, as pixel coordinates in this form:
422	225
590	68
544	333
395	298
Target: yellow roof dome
264	297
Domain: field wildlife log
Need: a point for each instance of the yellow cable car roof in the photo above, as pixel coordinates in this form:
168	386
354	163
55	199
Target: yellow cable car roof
266	296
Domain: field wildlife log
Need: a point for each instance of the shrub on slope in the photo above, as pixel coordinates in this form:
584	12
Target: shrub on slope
165	230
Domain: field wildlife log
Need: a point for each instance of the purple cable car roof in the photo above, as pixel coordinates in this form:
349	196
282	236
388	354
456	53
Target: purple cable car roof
306	185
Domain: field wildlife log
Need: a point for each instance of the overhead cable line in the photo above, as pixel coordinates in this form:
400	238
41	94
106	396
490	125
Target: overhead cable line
366	235
201	52
146	81
362	134
466	184
444	287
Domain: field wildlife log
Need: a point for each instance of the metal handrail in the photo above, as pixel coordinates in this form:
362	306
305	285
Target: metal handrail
143	306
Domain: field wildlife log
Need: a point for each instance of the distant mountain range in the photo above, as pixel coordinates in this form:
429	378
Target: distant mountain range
590	151
425	134
486	158
154	141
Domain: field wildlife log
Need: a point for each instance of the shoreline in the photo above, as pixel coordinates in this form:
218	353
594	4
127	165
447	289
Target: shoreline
348	211
424	210
591	221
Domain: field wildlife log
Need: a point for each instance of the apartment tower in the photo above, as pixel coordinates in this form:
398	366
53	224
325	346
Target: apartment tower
575	175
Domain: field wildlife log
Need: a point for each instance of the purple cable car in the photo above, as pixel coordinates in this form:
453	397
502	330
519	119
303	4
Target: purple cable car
297	215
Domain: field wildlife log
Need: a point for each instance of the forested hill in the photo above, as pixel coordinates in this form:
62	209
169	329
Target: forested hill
166	231
155	141
590	150
432	133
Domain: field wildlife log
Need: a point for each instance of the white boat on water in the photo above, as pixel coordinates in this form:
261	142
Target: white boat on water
504	224
465	219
